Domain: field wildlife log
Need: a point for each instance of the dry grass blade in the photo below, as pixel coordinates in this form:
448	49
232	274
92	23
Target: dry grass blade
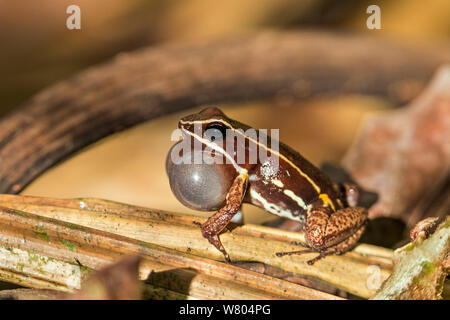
245	243
48	253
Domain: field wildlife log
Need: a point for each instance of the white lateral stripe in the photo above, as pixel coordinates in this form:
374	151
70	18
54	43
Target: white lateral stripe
278	183
219	149
296	198
265	147
273	208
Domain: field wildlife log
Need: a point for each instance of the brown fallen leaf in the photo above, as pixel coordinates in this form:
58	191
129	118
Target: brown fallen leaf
118	281
28	294
404	156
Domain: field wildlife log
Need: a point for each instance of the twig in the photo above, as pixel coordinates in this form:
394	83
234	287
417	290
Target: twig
420	268
60	255
244	243
157	81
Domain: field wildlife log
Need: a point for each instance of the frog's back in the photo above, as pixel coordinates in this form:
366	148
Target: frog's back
289	189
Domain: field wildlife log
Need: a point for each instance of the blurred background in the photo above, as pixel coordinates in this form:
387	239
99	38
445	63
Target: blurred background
37	50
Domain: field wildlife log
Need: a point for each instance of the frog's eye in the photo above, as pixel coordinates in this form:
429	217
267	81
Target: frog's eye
215	131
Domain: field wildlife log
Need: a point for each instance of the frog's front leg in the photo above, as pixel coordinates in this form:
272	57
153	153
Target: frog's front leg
332	233
217	222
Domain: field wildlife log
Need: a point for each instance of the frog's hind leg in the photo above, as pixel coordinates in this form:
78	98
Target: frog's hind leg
324	230
333	233
341	247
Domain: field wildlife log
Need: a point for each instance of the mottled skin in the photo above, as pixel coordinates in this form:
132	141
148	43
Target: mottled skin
295	189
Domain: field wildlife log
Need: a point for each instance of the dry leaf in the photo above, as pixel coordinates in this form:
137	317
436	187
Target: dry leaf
118	281
404	155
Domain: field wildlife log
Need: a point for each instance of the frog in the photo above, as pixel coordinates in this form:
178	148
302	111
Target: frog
290	187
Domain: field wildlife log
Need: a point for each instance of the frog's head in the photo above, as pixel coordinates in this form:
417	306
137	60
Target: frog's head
201	186
210	123
205	116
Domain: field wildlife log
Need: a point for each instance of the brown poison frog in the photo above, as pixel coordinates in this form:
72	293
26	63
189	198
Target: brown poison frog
225	168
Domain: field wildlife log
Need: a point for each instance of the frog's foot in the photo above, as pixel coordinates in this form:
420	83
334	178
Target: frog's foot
310	262
299	243
341	247
290	253
338	249
333	233
213	227
215	241
322	253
